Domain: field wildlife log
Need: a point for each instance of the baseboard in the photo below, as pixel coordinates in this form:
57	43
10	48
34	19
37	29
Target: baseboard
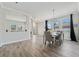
6	43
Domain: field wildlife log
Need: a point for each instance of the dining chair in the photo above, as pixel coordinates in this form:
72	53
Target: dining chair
58	38
48	38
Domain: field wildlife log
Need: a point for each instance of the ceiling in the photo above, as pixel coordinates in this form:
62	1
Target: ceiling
42	10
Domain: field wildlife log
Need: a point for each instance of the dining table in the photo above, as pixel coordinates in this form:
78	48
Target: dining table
54	34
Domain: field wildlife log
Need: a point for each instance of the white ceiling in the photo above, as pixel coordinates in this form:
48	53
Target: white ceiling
42	10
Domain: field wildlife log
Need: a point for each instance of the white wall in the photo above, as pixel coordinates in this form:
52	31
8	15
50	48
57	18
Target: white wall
8	23
9	37
41	28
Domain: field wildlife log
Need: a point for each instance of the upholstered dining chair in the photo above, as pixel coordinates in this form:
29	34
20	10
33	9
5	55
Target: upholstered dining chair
59	38
48	38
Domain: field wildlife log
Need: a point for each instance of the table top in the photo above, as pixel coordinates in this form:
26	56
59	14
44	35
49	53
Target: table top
54	34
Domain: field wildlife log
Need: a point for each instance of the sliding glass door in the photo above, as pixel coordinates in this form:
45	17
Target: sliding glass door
60	24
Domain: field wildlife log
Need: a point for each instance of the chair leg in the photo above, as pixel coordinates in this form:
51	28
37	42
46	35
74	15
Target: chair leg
60	42
45	42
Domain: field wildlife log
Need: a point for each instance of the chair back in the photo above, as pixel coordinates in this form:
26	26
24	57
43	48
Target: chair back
48	36
58	36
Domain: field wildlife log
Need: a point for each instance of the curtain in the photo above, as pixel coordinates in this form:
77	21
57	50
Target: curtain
72	33
46	25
